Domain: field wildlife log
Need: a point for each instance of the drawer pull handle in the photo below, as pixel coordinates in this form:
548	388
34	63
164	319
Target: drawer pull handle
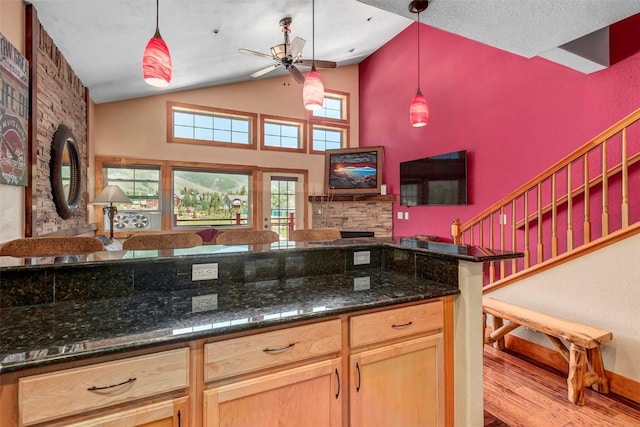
403	325
358	383
276	350
94	388
338	378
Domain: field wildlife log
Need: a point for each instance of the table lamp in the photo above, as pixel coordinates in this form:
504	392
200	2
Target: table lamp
108	196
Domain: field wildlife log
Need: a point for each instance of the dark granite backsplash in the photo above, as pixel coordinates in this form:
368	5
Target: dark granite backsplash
43	284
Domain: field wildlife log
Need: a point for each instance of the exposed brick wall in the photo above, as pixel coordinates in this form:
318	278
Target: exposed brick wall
61	100
354	216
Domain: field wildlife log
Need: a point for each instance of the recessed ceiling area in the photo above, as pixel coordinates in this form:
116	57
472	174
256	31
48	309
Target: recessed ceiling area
103	40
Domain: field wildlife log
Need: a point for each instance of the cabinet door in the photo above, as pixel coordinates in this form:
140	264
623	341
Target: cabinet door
172	413
398	385
310	395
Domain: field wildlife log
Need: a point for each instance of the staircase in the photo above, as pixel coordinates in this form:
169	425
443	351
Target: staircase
587	200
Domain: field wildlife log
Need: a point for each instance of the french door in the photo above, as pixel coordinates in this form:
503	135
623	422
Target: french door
283	202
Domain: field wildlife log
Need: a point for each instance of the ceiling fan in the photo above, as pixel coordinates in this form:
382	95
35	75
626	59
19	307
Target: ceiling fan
287	55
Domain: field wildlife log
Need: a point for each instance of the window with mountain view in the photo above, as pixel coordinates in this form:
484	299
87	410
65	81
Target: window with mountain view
211	198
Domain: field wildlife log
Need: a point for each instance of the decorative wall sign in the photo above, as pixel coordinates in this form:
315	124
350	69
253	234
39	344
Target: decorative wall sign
14	112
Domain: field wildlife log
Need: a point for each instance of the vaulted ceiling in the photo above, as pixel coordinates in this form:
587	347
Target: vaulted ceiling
103	40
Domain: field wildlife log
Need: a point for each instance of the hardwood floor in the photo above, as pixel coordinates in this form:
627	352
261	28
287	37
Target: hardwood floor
519	393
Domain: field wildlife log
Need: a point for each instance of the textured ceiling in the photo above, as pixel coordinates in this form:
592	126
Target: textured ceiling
103	40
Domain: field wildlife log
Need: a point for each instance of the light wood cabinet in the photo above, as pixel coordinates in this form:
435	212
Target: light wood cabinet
381	367
398	382
398	385
171	413
59	394
309	395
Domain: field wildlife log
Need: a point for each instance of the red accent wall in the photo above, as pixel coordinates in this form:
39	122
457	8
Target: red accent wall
516	116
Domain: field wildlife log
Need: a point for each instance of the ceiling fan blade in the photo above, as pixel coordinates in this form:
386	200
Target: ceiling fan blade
296	74
254	53
296	47
265	70
320	63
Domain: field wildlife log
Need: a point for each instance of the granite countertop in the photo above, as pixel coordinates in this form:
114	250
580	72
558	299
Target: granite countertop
42	334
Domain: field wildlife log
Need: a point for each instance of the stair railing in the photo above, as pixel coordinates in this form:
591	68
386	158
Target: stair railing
556	213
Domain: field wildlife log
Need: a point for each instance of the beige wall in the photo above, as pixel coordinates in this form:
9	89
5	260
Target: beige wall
137	128
12	211
606	281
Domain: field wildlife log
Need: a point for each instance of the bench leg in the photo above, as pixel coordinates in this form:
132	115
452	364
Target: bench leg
577	370
594	358
497	324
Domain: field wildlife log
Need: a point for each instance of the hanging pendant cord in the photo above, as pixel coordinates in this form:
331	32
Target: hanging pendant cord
418	51
313	32
157	14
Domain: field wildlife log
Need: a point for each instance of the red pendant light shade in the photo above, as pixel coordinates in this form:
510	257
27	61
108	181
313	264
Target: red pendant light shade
313	90
156	60
419	111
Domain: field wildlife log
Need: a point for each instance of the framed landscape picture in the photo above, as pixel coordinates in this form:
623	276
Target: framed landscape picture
353	170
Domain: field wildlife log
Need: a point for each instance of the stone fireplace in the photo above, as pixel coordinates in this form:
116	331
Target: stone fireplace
354	213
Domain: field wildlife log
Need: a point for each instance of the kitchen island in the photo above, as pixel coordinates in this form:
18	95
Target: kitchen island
72	313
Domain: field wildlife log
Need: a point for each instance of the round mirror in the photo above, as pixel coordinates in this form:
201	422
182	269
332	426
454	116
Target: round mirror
65	172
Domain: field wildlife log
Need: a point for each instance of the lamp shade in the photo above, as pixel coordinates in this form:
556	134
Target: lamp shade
419	111
313	90
111	194
156	62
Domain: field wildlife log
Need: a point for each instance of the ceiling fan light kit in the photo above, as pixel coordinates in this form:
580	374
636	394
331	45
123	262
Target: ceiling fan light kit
418	110
156	60
287	55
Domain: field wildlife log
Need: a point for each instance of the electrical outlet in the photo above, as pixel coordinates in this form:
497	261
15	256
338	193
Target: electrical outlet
406	215
204	303
400	215
361	283
204	271
503	219
361	257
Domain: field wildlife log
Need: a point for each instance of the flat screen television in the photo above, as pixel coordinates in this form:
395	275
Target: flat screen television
435	180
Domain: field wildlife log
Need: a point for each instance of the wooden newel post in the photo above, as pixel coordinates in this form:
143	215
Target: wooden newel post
455	231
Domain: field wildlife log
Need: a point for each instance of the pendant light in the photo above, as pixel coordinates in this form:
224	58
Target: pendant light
419	110
313	88
156	61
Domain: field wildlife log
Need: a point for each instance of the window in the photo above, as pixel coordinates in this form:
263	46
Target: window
327	138
142	185
332	108
211	197
282	134
330	124
202	125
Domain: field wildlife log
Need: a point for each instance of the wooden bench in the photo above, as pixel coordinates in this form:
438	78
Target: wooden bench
584	356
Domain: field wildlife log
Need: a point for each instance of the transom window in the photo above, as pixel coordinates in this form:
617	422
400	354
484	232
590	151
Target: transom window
332	108
325	138
202	125
280	133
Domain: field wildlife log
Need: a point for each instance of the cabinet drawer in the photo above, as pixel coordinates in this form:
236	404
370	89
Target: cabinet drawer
58	394
395	323
251	353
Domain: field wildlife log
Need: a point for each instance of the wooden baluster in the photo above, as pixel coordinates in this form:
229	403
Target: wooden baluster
514	261
625	181
527	254
502	224
605	191
492	264
569	210
587	208
554	218
540	237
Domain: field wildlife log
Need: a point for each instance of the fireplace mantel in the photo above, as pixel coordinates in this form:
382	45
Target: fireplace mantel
391	198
